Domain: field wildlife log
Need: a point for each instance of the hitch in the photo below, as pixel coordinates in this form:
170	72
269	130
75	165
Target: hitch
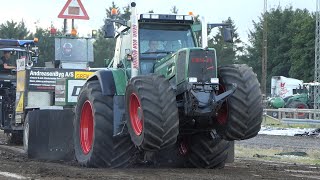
218	100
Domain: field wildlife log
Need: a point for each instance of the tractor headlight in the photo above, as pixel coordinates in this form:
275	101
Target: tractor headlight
179	17
214	80
193	79
188	18
146	16
154	16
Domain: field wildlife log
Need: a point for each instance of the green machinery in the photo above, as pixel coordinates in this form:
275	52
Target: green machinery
174	106
303	98
28	87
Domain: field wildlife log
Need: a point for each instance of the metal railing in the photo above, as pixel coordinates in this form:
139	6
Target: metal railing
295	116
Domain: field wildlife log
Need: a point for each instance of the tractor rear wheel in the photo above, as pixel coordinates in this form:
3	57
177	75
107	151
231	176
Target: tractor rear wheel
26	135
204	151
299	105
240	116
153	121
94	143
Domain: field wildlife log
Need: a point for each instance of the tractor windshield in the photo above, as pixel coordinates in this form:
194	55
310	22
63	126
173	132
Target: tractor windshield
158	40
15	53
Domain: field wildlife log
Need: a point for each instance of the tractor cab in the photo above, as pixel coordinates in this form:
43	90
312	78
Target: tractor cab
19	49
161	35
20	54
24	50
154	37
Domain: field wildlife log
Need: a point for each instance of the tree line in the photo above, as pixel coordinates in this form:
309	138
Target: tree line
291	42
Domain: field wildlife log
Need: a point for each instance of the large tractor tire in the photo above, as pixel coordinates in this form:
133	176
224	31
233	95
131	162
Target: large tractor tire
298	105
153	121
204	151
94	143
240	116
48	134
27	136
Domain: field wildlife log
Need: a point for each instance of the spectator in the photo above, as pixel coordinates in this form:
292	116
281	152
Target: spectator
4	61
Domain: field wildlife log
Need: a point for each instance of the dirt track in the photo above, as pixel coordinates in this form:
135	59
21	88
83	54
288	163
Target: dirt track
242	168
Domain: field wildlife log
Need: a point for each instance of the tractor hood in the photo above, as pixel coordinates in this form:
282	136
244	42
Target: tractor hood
195	64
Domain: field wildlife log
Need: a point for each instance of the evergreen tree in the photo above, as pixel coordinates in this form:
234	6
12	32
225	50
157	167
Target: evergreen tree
13	30
290	44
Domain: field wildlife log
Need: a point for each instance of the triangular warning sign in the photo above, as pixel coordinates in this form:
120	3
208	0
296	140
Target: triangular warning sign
73	10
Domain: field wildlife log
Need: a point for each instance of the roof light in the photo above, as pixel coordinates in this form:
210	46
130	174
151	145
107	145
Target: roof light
166	17
36	40
179	17
53	31
188	18
154	16
94	33
146	16
190	13
114	11
193	79
73	32
214	80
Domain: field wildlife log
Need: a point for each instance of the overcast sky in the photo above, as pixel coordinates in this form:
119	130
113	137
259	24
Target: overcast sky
243	12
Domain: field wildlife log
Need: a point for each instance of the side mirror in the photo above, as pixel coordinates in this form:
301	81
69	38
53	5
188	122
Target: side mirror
228	35
109	30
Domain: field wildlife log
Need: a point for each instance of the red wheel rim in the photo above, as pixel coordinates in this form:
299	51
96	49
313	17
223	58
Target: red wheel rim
223	111
183	149
136	117
301	106
86	127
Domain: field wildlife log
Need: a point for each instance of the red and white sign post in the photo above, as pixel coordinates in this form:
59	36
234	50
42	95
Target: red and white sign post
73	9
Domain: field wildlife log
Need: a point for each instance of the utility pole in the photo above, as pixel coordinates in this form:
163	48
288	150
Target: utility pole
317	59
264	52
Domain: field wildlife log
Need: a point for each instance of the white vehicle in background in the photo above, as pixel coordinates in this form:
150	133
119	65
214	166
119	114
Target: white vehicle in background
284	87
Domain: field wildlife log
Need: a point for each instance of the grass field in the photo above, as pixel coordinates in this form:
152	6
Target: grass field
311	157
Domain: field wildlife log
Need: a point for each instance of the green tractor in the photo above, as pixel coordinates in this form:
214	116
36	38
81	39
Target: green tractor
163	100
175	103
303	98
22	54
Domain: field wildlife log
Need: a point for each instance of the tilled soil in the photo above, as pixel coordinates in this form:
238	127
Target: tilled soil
243	168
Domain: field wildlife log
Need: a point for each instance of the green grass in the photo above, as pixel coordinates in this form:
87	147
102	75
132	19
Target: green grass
312	158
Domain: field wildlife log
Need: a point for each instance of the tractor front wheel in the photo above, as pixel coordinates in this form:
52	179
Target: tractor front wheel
240	116
152	119
205	151
94	143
